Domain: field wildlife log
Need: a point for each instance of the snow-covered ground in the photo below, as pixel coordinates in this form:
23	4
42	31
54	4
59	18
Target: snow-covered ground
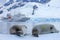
55	36
49	10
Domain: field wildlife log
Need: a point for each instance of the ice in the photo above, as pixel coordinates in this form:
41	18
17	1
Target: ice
27	9
18	0
1	12
44	1
16	6
13	7
8	3
2	1
34	8
34	0
9	18
26	0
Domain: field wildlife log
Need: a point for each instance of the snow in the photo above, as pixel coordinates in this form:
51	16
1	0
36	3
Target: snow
5	36
8	3
49	10
53	10
29	37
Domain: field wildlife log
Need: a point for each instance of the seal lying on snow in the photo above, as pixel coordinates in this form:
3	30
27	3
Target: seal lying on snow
19	30
43	29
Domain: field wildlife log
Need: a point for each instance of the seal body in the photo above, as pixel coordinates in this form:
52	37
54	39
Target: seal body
19	30
44	29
